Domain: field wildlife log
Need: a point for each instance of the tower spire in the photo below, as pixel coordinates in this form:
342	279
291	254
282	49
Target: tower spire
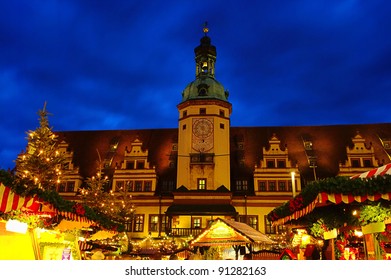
205	29
205	55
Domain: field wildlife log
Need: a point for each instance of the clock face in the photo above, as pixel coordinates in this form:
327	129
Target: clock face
203	145
202	128
202	135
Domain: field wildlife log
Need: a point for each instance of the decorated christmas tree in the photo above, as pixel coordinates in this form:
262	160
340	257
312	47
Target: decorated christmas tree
118	205
39	167
94	194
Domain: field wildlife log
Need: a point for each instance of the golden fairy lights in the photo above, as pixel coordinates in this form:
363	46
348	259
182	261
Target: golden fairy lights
40	165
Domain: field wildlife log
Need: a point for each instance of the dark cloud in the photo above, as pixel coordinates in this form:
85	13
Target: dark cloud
124	64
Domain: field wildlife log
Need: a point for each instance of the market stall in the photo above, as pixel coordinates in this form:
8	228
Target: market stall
44	226
345	206
225	233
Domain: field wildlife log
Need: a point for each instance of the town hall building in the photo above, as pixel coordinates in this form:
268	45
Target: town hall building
183	178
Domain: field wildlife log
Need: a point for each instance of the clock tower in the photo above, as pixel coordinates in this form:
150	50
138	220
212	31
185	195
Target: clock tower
204	125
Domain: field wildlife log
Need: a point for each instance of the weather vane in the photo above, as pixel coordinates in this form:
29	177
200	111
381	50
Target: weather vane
205	29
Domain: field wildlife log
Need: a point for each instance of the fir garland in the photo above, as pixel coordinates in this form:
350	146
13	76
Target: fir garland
63	205
336	185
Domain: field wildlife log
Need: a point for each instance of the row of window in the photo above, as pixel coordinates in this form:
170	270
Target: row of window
68	186
275	186
155	223
134	186
202	111
146	185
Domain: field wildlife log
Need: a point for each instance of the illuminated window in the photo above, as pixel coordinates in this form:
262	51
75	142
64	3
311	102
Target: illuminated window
153	223
201	184
138	223
196	222
269	229
252	221
205	67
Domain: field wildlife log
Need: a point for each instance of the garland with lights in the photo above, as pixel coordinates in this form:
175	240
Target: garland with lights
336	185
64	208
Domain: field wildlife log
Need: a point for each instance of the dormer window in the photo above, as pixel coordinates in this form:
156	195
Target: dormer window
202	89
202	92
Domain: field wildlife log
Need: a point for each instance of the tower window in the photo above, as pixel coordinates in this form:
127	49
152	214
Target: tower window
184	113
202	111
222	113
221	125
205	67
201	184
184	127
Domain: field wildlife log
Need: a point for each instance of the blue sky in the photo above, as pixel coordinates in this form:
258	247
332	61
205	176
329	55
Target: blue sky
103	65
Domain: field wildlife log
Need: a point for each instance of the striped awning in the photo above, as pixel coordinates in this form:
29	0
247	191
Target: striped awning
11	201
337	198
380	171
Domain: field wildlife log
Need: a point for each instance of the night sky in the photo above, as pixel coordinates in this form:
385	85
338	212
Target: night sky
103	65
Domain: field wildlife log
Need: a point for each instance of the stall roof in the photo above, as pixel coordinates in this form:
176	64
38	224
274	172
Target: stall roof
223	232
325	197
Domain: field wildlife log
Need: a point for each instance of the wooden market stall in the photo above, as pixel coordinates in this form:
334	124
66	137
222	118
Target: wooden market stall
28	231
229	233
340	206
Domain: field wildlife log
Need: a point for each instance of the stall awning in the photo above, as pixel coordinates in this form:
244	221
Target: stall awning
380	171
223	232
335	198
324	198
11	201
201	209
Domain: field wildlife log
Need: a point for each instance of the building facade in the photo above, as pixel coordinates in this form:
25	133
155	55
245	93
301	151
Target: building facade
180	179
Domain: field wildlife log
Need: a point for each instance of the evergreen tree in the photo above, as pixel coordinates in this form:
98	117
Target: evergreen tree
94	195
39	167
117	205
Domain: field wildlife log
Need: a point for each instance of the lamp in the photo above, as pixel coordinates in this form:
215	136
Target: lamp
16	226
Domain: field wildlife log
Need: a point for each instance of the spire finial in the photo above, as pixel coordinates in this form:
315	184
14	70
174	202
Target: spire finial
205	29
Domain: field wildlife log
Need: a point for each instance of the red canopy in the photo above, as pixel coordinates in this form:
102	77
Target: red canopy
380	171
337	198
11	201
